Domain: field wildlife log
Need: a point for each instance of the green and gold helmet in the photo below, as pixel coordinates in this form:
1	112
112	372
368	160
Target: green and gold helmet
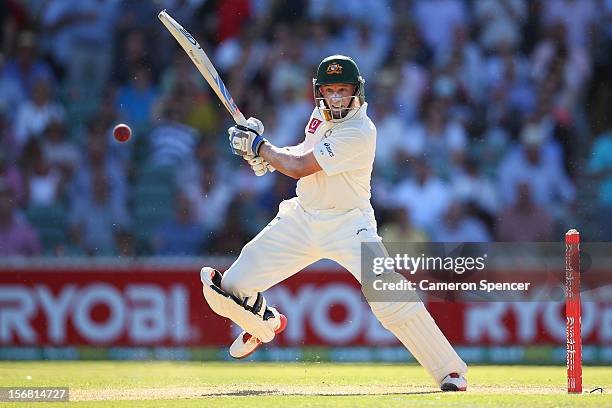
338	69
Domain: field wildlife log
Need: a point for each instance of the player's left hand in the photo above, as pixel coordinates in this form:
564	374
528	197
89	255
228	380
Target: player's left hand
246	140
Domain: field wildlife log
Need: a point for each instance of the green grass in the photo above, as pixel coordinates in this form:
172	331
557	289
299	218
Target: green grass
191	384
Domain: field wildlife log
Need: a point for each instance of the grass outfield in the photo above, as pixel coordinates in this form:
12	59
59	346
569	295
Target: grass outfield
248	384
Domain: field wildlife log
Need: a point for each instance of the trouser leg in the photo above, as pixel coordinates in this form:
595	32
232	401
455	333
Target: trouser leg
280	250
406	317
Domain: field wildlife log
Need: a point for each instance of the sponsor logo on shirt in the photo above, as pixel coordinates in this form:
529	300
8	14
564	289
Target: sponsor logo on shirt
313	125
329	149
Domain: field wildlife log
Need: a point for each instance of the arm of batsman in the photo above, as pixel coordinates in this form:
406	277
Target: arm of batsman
256	124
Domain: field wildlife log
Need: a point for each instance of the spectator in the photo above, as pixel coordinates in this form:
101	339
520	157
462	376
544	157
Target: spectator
437	20
290	115
391	125
500	22
539	164
377	12
231	17
11	93
510	90
181	73
369	49
577	15
84	32
44	183
133	52
126	245
470	185
322	45
600	167
524	221
399	228
172	143
17	237
265	203
59	18
26	69
463	62
135	100
412	85
242	51
209	195
457	226
504	67
96	219
97	159
425	197
567	66
12	176
181	235
553	53
439	139
229	239
58	150
33	116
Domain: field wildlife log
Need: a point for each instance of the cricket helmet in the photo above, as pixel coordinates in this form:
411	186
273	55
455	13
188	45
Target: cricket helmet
338	69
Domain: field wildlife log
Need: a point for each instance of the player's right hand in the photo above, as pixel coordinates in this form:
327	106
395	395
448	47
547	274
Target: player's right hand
259	165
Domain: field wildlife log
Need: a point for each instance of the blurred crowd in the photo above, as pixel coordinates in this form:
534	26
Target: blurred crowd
493	119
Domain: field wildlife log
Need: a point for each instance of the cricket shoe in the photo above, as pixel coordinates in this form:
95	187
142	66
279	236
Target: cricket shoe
246	344
454	382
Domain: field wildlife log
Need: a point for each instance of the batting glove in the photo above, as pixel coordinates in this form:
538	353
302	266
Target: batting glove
259	165
246	140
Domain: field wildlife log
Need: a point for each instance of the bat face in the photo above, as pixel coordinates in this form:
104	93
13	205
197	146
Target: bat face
202	62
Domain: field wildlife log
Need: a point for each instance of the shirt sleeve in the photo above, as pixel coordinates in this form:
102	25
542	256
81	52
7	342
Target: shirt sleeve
345	150
295	149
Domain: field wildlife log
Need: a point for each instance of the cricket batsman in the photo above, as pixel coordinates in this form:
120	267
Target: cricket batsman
330	217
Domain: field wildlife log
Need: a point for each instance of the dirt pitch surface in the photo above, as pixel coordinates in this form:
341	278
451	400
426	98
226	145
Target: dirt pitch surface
269	385
234	390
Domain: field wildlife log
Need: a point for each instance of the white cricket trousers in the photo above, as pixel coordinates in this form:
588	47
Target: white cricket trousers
295	239
298	237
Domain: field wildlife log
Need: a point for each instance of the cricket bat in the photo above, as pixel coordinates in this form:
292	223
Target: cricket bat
206	68
202	62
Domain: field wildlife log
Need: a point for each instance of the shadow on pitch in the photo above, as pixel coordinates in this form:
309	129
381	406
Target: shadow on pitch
250	393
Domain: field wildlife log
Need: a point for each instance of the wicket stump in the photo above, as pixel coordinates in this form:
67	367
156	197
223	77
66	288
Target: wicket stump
572	311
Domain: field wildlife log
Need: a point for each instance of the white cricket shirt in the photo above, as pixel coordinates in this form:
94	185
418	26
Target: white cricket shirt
345	151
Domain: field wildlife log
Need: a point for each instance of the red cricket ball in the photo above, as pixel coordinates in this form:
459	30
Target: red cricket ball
122	132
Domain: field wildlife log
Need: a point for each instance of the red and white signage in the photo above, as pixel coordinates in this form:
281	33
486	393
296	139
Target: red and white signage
165	307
